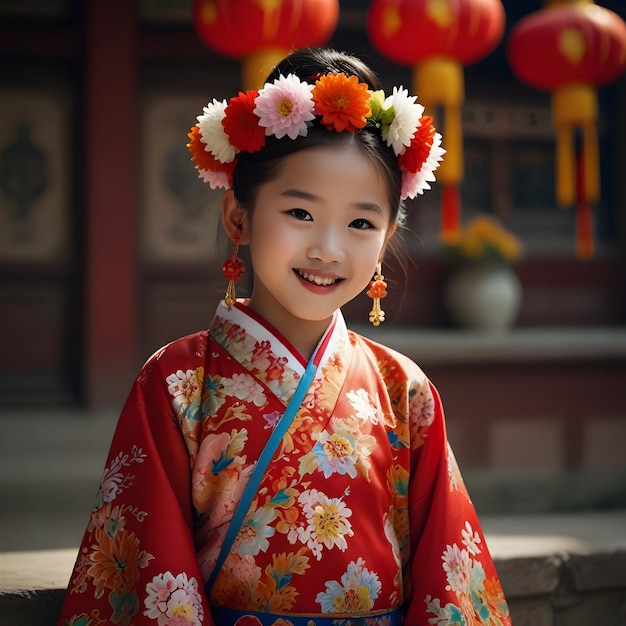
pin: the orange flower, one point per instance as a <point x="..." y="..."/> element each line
<point x="231" y="591"/>
<point x="203" y="158"/>
<point x="494" y="599"/>
<point x="115" y="561"/>
<point x="285" y="564"/>
<point x="342" y="102"/>
<point x="287" y="517"/>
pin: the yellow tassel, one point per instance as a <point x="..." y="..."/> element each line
<point x="230" y="298"/>
<point x="565" y="168"/>
<point x="439" y="81"/>
<point x="450" y="170"/>
<point x="258" y="65"/>
<point x="575" y="106"/>
<point x="377" y="315"/>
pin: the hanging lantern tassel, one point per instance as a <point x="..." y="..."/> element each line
<point x="438" y="81"/>
<point x="574" y="109"/>
<point x="591" y="159"/>
<point x="575" y="106"/>
<point x="584" y="214"/>
<point x="450" y="215"/>
<point x="565" y="167"/>
<point x="257" y="65"/>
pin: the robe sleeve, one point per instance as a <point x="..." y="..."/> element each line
<point x="137" y="561"/>
<point x="452" y="578"/>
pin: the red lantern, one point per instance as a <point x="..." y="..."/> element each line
<point x="437" y="39"/>
<point x="262" y="32"/>
<point x="568" y="49"/>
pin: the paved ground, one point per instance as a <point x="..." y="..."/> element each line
<point x="51" y="462"/>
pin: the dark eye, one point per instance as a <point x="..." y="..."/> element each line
<point x="300" y="214"/>
<point x="361" y="224"/>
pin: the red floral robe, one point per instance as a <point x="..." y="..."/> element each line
<point x="361" y="510"/>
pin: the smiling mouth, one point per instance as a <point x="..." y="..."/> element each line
<point x="317" y="280"/>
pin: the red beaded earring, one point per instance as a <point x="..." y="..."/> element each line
<point x="376" y="291"/>
<point x="232" y="269"/>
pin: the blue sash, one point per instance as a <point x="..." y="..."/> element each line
<point x="259" y="470"/>
<point x="228" y="617"/>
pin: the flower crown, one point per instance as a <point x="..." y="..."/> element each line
<point x="288" y="106"/>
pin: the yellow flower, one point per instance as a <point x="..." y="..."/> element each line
<point x="486" y="239"/>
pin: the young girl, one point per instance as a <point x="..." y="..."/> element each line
<point x="279" y="469"/>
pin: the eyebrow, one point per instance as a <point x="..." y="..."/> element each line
<point x="305" y="195"/>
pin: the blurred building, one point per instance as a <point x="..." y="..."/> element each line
<point x="108" y="242"/>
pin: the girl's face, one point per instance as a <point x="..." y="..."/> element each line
<point x="315" y="235"/>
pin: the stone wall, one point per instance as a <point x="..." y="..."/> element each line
<point x="566" y="589"/>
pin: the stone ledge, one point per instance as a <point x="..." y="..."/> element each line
<point x="434" y="346"/>
<point x="32" y="586"/>
<point x="528" y="576"/>
<point x="566" y="589"/>
<point x="559" y="589"/>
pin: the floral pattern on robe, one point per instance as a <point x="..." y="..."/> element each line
<point x="361" y="510"/>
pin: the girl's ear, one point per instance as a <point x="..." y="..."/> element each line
<point x="234" y="217"/>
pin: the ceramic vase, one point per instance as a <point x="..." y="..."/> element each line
<point x="484" y="296"/>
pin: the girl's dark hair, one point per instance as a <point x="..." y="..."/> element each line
<point x="259" y="167"/>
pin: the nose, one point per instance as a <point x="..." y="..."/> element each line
<point x="326" y="246"/>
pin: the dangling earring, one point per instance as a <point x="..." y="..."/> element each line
<point x="376" y="291"/>
<point x="232" y="269"/>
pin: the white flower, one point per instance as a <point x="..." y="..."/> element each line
<point x="285" y="106"/>
<point x="365" y="409"/>
<point x="327" y="522"/>
<point x="213" y="133"/>
<point x="458" y="566"/>
<point x="471" y="539"/>
<point x="185" y="386"/>
<point x="336" y="453"/>
<point x="422" y="406"/>
<point x="412" y="184"/>
<point x="173" y="600"/>
<point x="245" y="387"/>
<point x="406" y="119"/>
<point x="254" y="533"/>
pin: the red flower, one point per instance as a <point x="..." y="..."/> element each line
<point x="242" y="125"/>
<point x="233" y="268"/>
<point x="421" y="143"/>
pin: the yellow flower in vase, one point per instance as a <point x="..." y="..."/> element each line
<point x="485" y="239"/>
